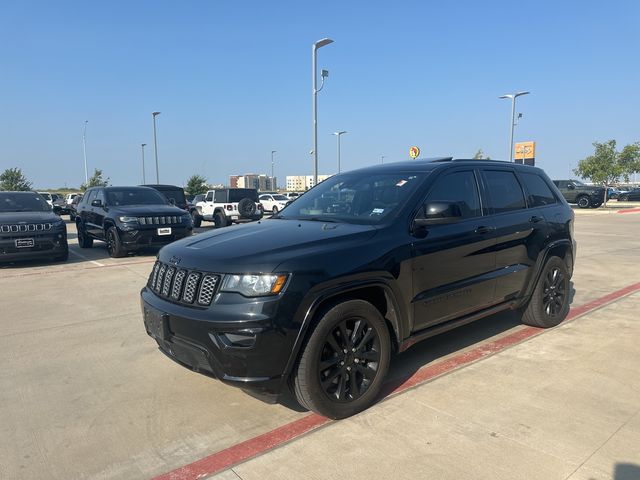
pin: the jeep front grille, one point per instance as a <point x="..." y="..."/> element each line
<point x="26" y="227"/>
<point x="183" y="286"/>
<point x="171" y="220"/>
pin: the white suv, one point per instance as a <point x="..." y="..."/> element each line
<point x="273" y="202"/>
<point x="225" y="206"/>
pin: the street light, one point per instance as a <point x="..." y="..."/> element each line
<point x="155" y="145"/>
<point x="314" y="91"/>
<point x="513" y="97"/>
<point x="337" y="134"/>
<point x="272" y="182"/>
<point x="382" y="159"/>
<point x="144" y="180"/>
<point x="84" y="152"/>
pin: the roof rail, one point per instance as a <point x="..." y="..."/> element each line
<point x="438" y="159"/>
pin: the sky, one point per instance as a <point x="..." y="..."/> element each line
<point x="232" y="80"/>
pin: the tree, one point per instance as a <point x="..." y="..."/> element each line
<point x="480" y="155"/>
<point x="12" y="179"/>
<point x="607" y="165"/>
<point x="96" y="180"/>
<point x="196" y="185"/>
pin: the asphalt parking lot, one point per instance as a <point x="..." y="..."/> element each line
<point x="86" y="394"/>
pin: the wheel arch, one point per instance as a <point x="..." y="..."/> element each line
<point x="377" y="292"/>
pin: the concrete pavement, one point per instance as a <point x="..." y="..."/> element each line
<point x="84" y="393"/>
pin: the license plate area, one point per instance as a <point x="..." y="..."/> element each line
<point x="164" y="231"/>
<point x="25" y="243"/>
<point x="156" y="323"/>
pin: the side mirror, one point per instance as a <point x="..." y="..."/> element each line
<point x="96" y="203"/>
<point x="172" y="201"/>
<point x="438" y="213"/>
<point x="571" y="186"/>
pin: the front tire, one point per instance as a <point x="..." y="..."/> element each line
<point x="549" y="302"/>
<point x="344" y="361"/>
<point x="583" y="202"/>
<point x="114" y="245"/>
<point x="274" y="210"/>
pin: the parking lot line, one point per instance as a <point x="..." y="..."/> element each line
<point x="85" y="258"/>
<point x="241" y="452"/>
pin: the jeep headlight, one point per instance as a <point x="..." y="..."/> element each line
<point x="254" y="285"/>
<point x="126" y="219"/>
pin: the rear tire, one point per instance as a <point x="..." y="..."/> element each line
<point x="84" y="240"/>
<point x="220" y="220"/>
<point x="344" y="360"/>
<point x="549" y="303"/>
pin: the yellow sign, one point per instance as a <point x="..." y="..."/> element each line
<point x="414" y="152"/>
<point x="525" y="150"/>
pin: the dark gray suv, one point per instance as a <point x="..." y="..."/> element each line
<point x="585" y="196"/>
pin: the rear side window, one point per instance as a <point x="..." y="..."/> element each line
<point x="238" y="194"/>
<point x="220" y="196"/>
<point x="505" y="193"/>
<point x="458" y="187"/>
<point x="538" y="192"/>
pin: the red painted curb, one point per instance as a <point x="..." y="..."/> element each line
<point x="243" y="451"/>
<point x="629" y="210"/>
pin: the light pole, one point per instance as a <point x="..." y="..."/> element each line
<point x="513" y="97"/>
<point x="272" y="182"/>
<point x="382" y="159"/>
<point x="155" y="145"/>
<point x="144" y="179"/>
<point x="337" y="134"/>
<point x="314" y="91"/>
<point x="84" y="152"/>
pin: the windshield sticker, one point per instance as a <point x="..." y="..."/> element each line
<point x="377" y="211"/>
<point x="401" y="183"/>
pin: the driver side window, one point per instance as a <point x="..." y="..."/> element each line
<point x="459" y="188"/>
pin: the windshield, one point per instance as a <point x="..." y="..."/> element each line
<point x="355" y="198"/>
<point x="176" y="193"/>
<point x="280" y="197"/>
<point x="578" y="183"/>
<point x="46" y="196"/>
<point x="134" y="196"/>
<point x="22" y="202"/>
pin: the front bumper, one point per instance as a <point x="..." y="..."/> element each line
<point x="44" y="246"/>
<point x="133" y="238"/>
<point x="235" y="340"/>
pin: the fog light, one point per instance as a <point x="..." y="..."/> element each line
<point x="238" y="339"/>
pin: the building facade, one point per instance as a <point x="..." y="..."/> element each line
<point x="260" y="182"/>
<point x="301" y="183"/>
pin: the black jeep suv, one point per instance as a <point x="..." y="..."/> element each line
<point x="585" y="196"/>
<point x="29" y="229"/>
<point x="365" y="263"/>
<point x="128" y="218"/>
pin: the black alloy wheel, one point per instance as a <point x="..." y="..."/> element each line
<point x="114" y="246"/>
<point x="196" y="218"/>
<point x="549" y="304"/>
<point x="350" y="359"/>
<point x="246" y="207"/>
<point x="84" y="240"/>
<point x="344" y="360"/>
<point x="554" y="292"/>
<point x="275" y="210"/>
<point x="583" y="201"/>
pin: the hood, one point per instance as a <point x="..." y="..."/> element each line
<point x="27" y="217"/>
<point x="262" y="246"/>
<point x="146" y="210"/>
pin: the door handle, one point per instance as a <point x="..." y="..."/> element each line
<point x="485" y="229"/>
<point x="535" y="219"/>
